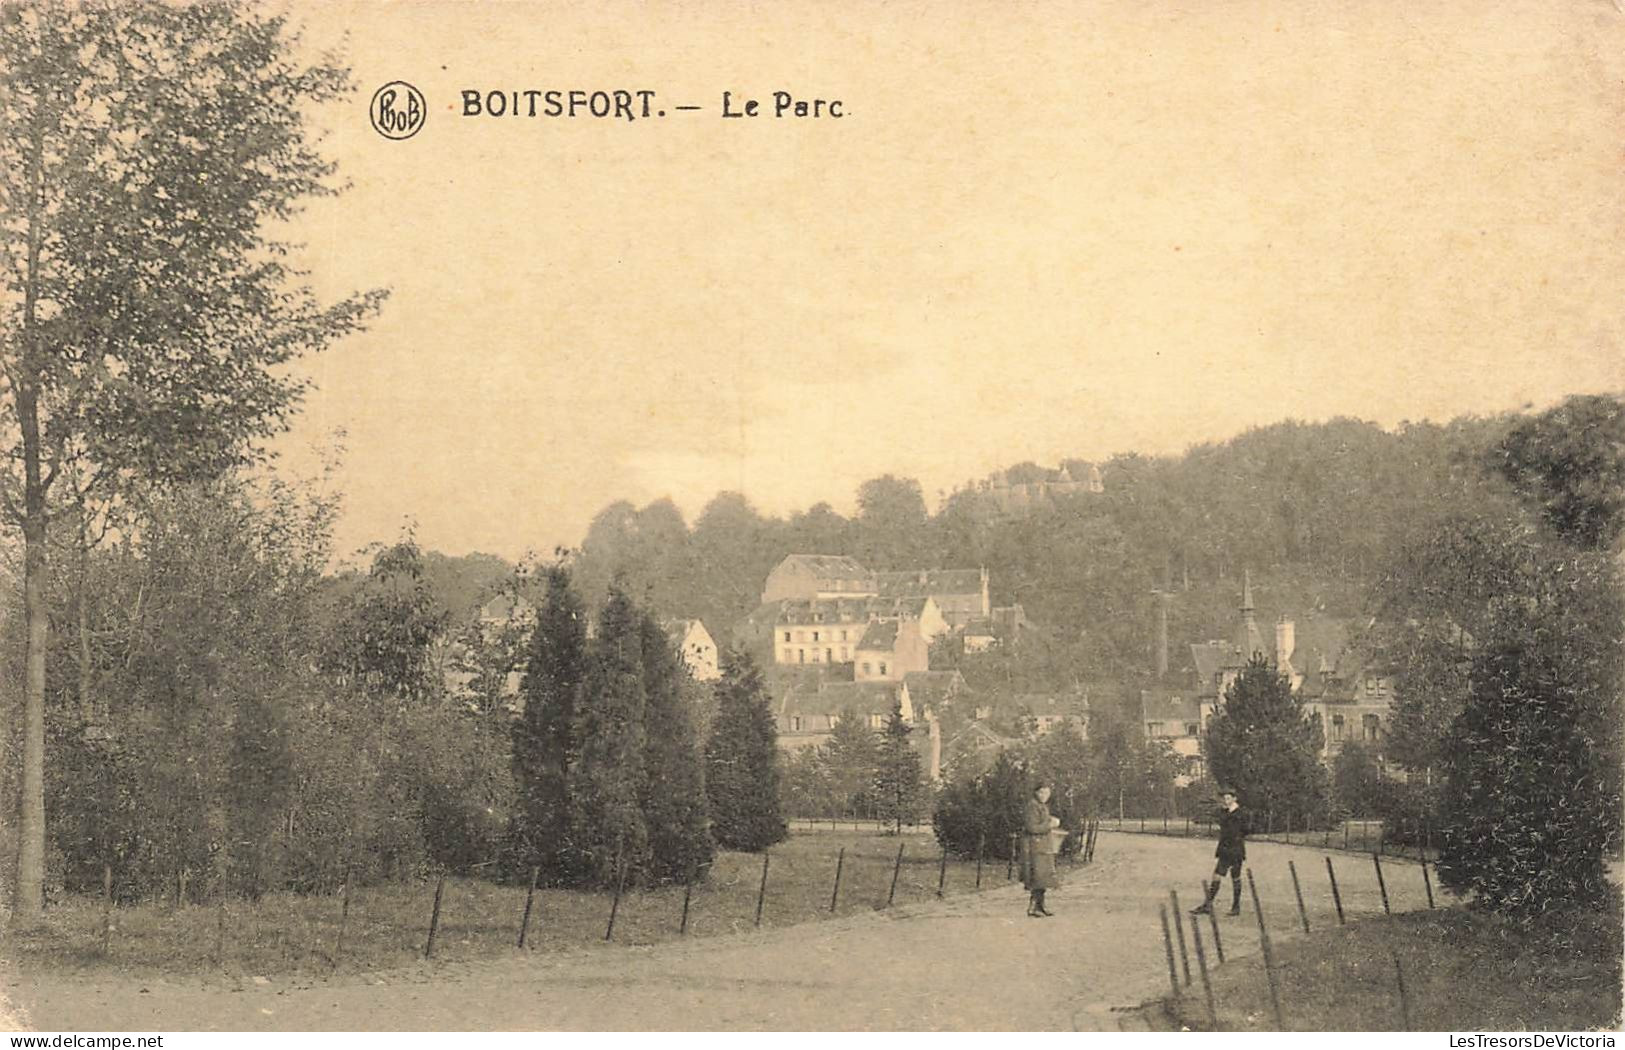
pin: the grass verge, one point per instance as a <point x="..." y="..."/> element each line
<point x="1463" y="971"/>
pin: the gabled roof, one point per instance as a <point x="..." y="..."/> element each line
<point x="847" y="610"/>
<point x="929" y="581"/>
<point x="1163" y="705"/>
<point x="882" y="635"/>
<point x="1212" y="657"/>
<point x="825" y="566"/>
<point x="933" y="687"/>
<point x="835" y="698"/>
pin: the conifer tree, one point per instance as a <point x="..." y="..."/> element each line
<point x="851" y="756"/>
<point x="608" y="782"/>
<point x="544" y="738"/>
<point x="674" y="803"/>
<point x="899" y="791"/>
<point x="1261" y="743"/>
<point x="742" y="761"/>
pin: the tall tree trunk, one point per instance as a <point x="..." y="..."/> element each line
<point x="30" y="899"/>
<point x="30" y="892"/>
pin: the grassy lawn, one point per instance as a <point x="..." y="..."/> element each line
<point x="1463" y="971"/>
<point x="388" y="925"/>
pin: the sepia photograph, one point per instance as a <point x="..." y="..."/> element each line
<point x="871" y="517"/>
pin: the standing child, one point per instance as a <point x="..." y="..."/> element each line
<point x="1231" y="852"/>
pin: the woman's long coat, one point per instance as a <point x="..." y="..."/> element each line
<point x="1037" y="848"/>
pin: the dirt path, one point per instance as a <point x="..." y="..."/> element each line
<point x="972" y="963"/>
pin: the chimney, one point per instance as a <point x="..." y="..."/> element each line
<point x="1285" y="642"/>
<point x="1162" y="633"/>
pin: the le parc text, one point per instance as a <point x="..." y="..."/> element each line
<point x="784" y="105"/>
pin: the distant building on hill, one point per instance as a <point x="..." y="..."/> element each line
<point x="1018" y="499"/>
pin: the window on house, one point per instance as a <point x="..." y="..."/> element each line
<point x="801" y="655"/>
<point x="815" y="636"/>
<point x="866" y="667"/>
<point x="1371" y="727"/>
<point x="795" y="723"/>
<point x="787" y="636"/>
<point x="1191" y="729"/>
<point x="882" y="668"/>
<point x="786" y="658"/>
<point x="877" y="721"/>
<point x="843" y="636"/>
<point x="1337" y="727"/>
<point x="1153" y="729"/>
<point x="815" y="656"/>
<point x="829" y="655"/>
<point x="1370" y="683"/>
<point x="845" y="654"/>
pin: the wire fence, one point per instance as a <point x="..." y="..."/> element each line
<point x="1360" y="835"/>
<point x="811" y="876"/>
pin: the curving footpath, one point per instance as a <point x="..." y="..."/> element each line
<point x="969" y="963"/>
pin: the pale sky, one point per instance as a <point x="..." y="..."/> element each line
<point x="1040" y="231"/>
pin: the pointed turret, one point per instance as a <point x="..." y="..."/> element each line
<point x="1248" y="640"/>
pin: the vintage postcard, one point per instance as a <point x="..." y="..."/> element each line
<point x="865" y="517"/>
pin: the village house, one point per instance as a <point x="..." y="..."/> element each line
<point x="959" y="595"/>
<point x="891" y="649"/>
<point x="810" y="577"/>
<point x="1347" y="690"/>
<point x="828" y="631"/>
<point x="696" y="647"/>
<point x="807" y="714"/>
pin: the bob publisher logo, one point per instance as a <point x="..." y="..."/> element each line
<point x="398" y="110"/>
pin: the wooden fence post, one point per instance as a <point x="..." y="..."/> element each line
<point x="1010" y="861"/>
<point x="107" y="908"/>
<point x="1213" y="917"/>
<point x="1168" y="949"/>
<point x="1298" y="890"/>
<point x="1264" y="946"/>
<point x="835" y="894"/>
<point x="981" y="848"/>
<point x="1201" y="965"/>
<point x="896" y="870"/>
<point x="434" y="915"/>
<point x="1404" y="996"/>
<point x="942" y="872"/>
<point x="1381" y="885"/>
<point x="1179" y="931"/>
<point x="761" y="892"/>
<point x="620" y="887"/>
<point x="1337" y="898"/>
<point x="1427" y="881"/>
<point x="530" y="899"/>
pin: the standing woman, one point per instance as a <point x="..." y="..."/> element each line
<point x="1038" y="850"/>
